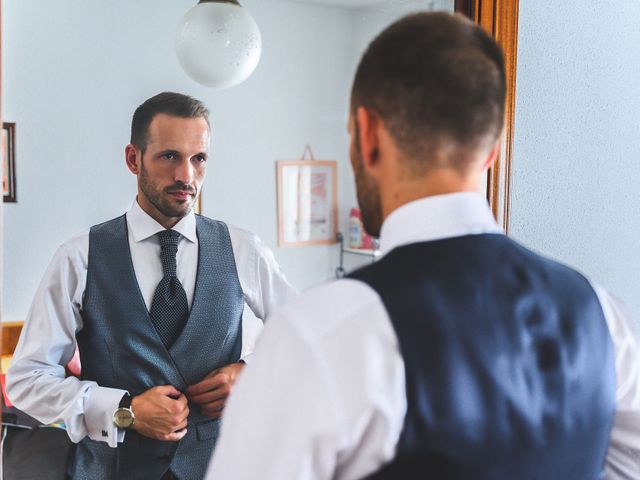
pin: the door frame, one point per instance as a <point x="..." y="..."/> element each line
<point x="500" y="19"/>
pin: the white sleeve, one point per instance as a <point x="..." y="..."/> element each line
<point x="36" y="382"/>
<point x="623" y="457"/>
<point x="264" y="285"/>
<point x="324" y="397"/>
<point x="278" y="422"/>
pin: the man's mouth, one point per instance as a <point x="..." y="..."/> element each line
<point x="180" y="194"/>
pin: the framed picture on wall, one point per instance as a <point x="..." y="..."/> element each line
<point x="307" y="202"/>
<point x="8" y="162"/>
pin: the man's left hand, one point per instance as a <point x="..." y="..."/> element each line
<point x="211" y="392"/>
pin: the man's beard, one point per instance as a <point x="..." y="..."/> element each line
<point x="157" y="198"/>
<point x="367" y="191"/>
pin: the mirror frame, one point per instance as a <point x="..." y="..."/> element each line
<point x="500" y="19"/>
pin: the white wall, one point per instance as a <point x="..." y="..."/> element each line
<point x="577" y="138"/>
<point x="75" y="70"/>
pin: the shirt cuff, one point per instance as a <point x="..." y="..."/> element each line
<point x="247" y="358"/>
<point x="100" y="406"/>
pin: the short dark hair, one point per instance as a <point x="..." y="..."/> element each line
<point x="169" y="103"/>
<point x="438" y="83"/>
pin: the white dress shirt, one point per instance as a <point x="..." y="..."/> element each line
<point x="36" y="380"/>
<point x="325" y="398"/>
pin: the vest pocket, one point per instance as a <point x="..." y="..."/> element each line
<point x="208" y="429"/>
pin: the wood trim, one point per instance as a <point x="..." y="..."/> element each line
<point x="500" y="19"/>
<point x="10" y="335"/>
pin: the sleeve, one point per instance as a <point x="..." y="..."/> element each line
<point x="283" y="400"/>
<point x="36" y="382"/>
<point x="623" y="457"/>
<point x="264" y="285"/>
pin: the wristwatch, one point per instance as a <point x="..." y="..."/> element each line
<point x="123" y="417"/>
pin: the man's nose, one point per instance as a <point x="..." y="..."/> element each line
<point x="184" y="172"/>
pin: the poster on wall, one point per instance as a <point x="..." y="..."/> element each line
<point x="307" y="202"/>
<point x="8" y="162"/>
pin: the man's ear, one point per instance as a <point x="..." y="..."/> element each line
<point x="368" y="124"/>
<point x="133" y="157"/>
<point x="492" y="156"/>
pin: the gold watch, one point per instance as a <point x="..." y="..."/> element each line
<point x="124" y="417"/>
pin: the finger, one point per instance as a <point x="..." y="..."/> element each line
<point x="212" y="414"/>
<point x="212" y="396"/>
<point x="167" y="390"/>
<point x="209" y="383"/>
<point x="213" y="407"/>
<point x="181" y="426"/>
<point x="184" y="416"/>
<point x="175" y="436"/>
<point x="183" y="400"/>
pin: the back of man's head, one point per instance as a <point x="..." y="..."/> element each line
<point x="437" y="81"/>
<point x="169" y="103"/>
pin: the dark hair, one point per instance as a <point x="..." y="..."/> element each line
<point x="438" y="83"/>
<point x="169" y="103"/>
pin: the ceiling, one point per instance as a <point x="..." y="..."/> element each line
<point x="355" y="4"/>
<point x="341" y="3"/>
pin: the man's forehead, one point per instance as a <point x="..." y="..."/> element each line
<point x="164" y="127"/>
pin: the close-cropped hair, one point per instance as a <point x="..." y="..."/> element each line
<point x="437" y="81"/>
<point x="169" y="103"/>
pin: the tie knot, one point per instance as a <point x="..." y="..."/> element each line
<point x="168" y="249"/>
<point x="168" y="238"/>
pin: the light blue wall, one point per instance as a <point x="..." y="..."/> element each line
<point x="576" y="166"/>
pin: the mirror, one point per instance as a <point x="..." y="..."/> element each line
<point x="73" y="73"/>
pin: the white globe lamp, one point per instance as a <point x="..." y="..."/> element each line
<point x="218" y="43"/>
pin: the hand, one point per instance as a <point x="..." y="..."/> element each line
<point x="161" y="413"/>
<point x="211" y="393"/>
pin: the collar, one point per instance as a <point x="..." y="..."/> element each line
<point x="143" y="226"/>
<point x="435" y="218"/>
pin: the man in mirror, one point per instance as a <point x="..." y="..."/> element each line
<point x="154" y="302"/>
<point x="459" y="354"/>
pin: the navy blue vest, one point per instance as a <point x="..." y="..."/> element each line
<point x="120" y="348"/>
<point x="510" y="372"/>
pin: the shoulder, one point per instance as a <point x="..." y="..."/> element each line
<point x="339" y="309"/>
<point x="76" y="247"/>
<point x="246" y="242"/>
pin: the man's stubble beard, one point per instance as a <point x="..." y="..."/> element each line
<point x="367" y="191"/>
<point x="155" y="195"/>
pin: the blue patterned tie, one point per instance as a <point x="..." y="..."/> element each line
<point x="169" y="308"/>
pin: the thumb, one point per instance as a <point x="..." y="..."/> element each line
<point x="168" y="391"/>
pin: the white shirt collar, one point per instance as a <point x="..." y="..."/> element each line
<point x="437" y="217"/>
<point x="143" y="226"/>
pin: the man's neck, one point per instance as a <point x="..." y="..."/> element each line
<point x="436" y="182"/>
<point x="153" y="212"/>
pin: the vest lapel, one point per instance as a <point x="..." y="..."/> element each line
<point x="213" y="330"/>
<point x="145" y="329"/>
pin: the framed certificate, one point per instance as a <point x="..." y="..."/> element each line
<point x="8" y="162"/>
<point x="307" y="202"/>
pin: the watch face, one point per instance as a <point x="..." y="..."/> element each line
<point x="123" y="418"/>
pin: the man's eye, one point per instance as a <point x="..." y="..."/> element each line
<point x="200" y="158"/>
<point x="170" y="156"/>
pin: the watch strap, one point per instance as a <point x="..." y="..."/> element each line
<point x="125" y="402"/>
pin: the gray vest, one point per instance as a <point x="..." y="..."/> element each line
<point x="119" y="348"/>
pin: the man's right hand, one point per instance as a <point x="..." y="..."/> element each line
<point x="161" y="413"/>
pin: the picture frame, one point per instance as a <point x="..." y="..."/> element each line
<point x="8" y="154"/>
<point x="307" y="202"/>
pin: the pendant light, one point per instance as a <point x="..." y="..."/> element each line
<point x="218" y="43"/>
